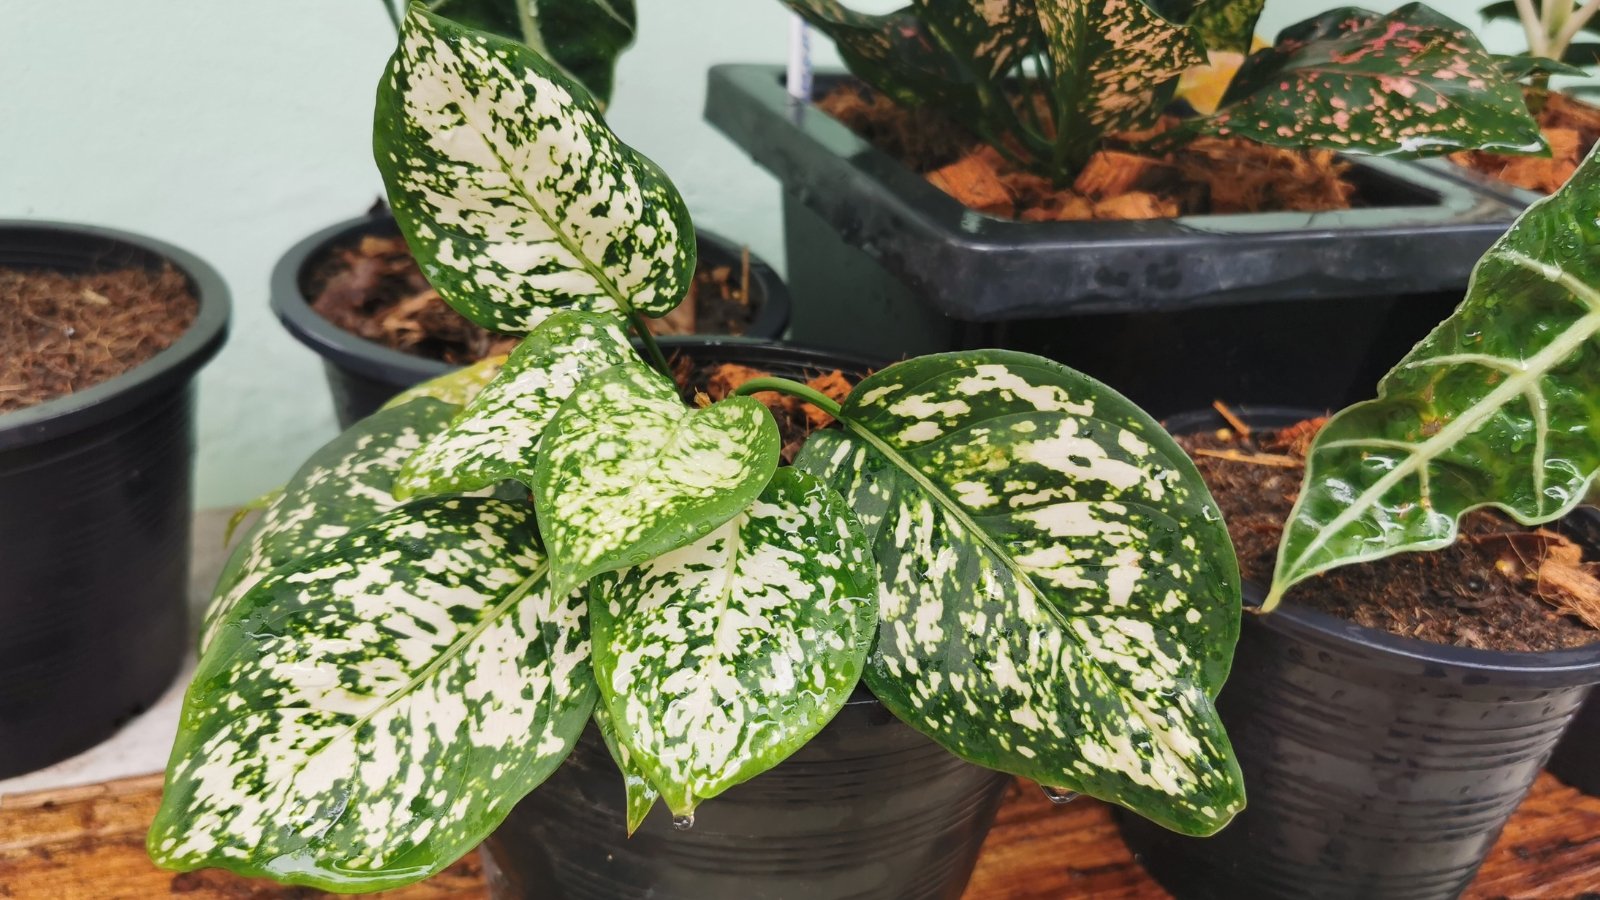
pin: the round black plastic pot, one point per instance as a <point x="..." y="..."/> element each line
<point x="95" y="507"/>
<point x="363" y="375"/>
<point x="869" y="809"/>
<point x="1375" y="766"/>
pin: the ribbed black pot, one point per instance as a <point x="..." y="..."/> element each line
<point x="1376" y="766"/>
<point x="869" y="809"/>
<point x="363" y="375"/>
<point x="95" y="509"/>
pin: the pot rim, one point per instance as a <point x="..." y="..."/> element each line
<point x="370" y="359"/>
<point x="170" y="368"/>
<point x="1579" y="665"/>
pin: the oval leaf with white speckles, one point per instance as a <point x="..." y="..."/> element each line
<point x="1060" y="598"/>
<point x="1496" y="407"/>
<point x="515" y="197"/>
<point x="497" y="436"/>
<point x="457" y="387"/>
<point x="369" y="714"/>
<point x="1410" y="83"/>
<point x="641" y="794"/>
<point x="626" y="471"/>
<point x="344" y="484"/>
<point x="719" y="659"/>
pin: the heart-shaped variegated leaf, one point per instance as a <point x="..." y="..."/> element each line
<point x="1496" y="407"/>
<point x="344" y="484"/>
<point x="583" y="37"/>
<point x="1409" y="83"/>
<point x="1060" y="598"/>
<point x="626" y="471"/>
<point x="641" y="794"/>
<point x="719" y="659"/>
<point x="368" y="714"/>
<point x="497" y="436"/>
<point x="457" y="387"/>
<point x="515" y="197"/>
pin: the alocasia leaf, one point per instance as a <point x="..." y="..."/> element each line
<point x="1060" y="598"/>
<point x="583" y="37"/>
<point x="1496" y="407"/>
<point x="719" y="659"/>
<point x="496" y="436"/>
<point x="1409" y="83"/>
<point x="514" y="196"/>
<point x="641" y="794"/>
<point x="626" y="472"/>
<point x="368" y="714"/>
<point x="344" y="484"/>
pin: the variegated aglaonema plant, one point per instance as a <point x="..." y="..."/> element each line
<point x="1495" y="408"/>
<point x="1047" y="81"/>
<point x="1014" y="559"/>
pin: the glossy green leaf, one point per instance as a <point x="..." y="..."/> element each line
<point x="626" y="472"/>
<point x="514" y="196"/>
<point x="496" y="437"/>
<point x="1410" y="83"/>
<point x="345" y="484"/>
<point x="719" y="659"/>
<point x="243" y="512"/>
<point x="1496" y="407"/>
<point x="1522" y="65"/>
<point x="583" y="37"/>
<point x="1227" y="25"/>
<point x="1581" y="53"/>
<point x="457" y="387"/>
<point x="641" y="794"/>
<point x="370" y="713"/>
<point x="1060" y="598"/>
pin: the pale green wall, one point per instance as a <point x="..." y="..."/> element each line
<point x="235" y="129"/>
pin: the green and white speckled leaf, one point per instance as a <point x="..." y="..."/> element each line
<point x="627" y="472"/>
<point x="1410" y="83"/>
<point x="1060" y="598"/>
<point x="1496" y="407"/>
<point x="344" y="484"/>
<point x="719" y="659"/>
<point x="457" y="387"/>
<point x="642" y="795"/>
<point x="515" y="197"/>
<point x="369" y="714"/>
<point x="1226" y="25"/>
<point x="497" y="436"/>
<point x="583" y="37"/>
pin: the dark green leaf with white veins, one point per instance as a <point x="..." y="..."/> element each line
<point x="719" y="659"/>
<point x="626" y="471"/>
<point x="497" y="436"/>
<point x="1409" y="83"/>
<point x="583" y="37"/>
<point x="641" y="794"/>
<point x="345" y="484"/>
<point x="515" y="197"/>
<point x="373" y="711"/>
<point x="1060" y="598"/>
<point x="1495" y="408"/>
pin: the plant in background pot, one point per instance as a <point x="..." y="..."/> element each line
<point x="1055" y="103"/>
<point x="353" y="293"/>
<point x="101" y="336"/>
<point x="1017" y="563"/>
<point x="1381" y="764"/>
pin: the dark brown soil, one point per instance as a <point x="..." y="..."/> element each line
<point x="796" y="419"/>
<point x="1499" y="587"/>
<point x="1570" y="126"/>
<point x="61" y="333"/>
<point x="1208" y="175"/>
<point x="374" y="289"/>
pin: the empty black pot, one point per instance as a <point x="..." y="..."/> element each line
<point x="94" y="519"/>
<point x="363" y="375"/>
<point x="1376" y="766"/>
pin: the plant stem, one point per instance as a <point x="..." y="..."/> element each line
<point x="394" y="14"/>
<point x="651" y="348"/>
<point x="793" y="388"/>
<point x="1532" y="27"/>
<point x="1570" y="29"/>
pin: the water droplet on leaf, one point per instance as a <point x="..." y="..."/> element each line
<point x="683" y="823"/>
<point x="1059" y="796"/>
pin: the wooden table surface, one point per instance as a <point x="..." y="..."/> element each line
<point x="89" y="843"/>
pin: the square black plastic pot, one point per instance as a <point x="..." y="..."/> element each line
<point x="1301" y="308"/>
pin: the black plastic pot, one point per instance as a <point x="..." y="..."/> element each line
<point x="1266" y="307"/>
<point x="363" y="375"/>
<point x="1376" y="766"/>
<point x="95" y="508"/>
<point x="870" y="809"/>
